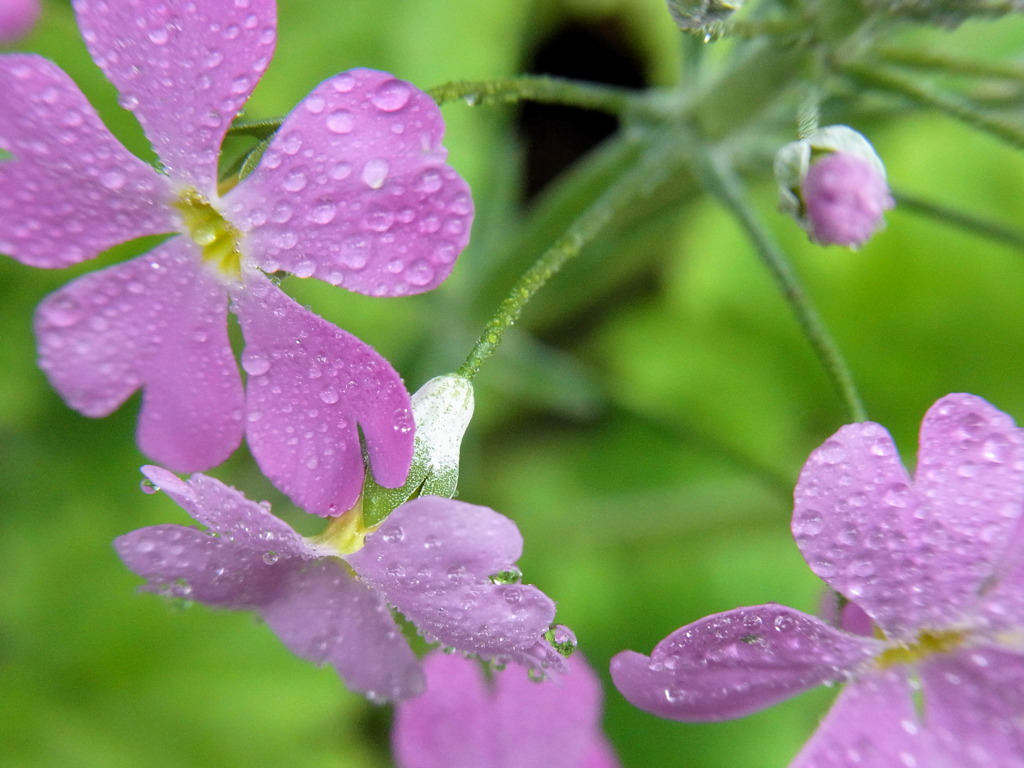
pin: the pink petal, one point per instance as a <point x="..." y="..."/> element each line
<point x="17" y="17"/>
<point x="432" y="559"/>
<point x="853" y="509"/>
<point x="329" y="617"/>
<point x="734" y="663"/>
<point x="354" y="190"/>
<point x="466" y="721"/>
<point x="71" y="190"/>
<point x="310" y="385"/>
<point x="970" y="474"/>
<point x="183" y="562"/>
<point x="184" y="71"/>
<point x="229" y="514"/>
<point x="1003" y="606"/>
<point x="157" y="321"/>
<point x="871" y="725"/>
<point x="913" y="556"/>
<point x="974" y="706"/>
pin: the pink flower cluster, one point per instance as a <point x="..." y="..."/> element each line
<point x="353" y="189"/>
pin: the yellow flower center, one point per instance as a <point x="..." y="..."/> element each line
<point x="347" y="533"/>
<point x="928" y="643"/>
<point x="217" y="237"/>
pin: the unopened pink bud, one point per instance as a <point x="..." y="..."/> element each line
<point x="845" y="198"/>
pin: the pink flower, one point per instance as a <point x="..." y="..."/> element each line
<point x="353" y="190"/>
<point x="17" y="17"/>
<point x="467" y="721"/>
<point x="936" y="562"/>
<point x="446" y="565"/>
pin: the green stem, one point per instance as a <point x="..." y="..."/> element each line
<point x="541" y="88"/>
<point x="950" y="65"/>
<point x="649" y="171"/>
<point x="953" y="106"/>
<point x="985" y="227"/>
<point x="726" y="185"/>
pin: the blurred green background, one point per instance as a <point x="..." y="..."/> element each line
<point x="644" y="425"/>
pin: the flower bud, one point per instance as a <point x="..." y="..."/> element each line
<point x="833" y="184"/>
<point x="442" y="410"/>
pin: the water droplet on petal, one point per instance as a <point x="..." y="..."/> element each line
<point x="255" y="363"/>
<point x="355" y="252"/>
<point x="63" y="312"/>
<point x="340" y="121"/>
<point x="271" y="557"/>
<point x="323" y="213"/>
<point x="831" y="452"/>
<point x="420" y="272"/>
<point x="430" y="181"/>
<point x="391" y="96"/>
<point x="315" y="104"/>
<point x="295" y="181"/>
<point x="375" y="172"/>
<point x="393" y="535"/>
<point x="112" y="180"/>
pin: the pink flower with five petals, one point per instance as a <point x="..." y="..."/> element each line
<point x="443" y="563"/>
<point x="932" y="567"/>
<point x="353" y="189"/>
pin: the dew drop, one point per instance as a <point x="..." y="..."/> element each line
<point x="420" y="272"/>
<point x="430" y="181"/>
<point x="329" y="395"/>
<point x="270" y="557"/>
<point x="344" y="82"/>
<point x="510" y="575"/>
<point x="315" y="104"/>
<point x="112" y="180"/>
<point x="295" y="181"/>
<point x="64" y="312"/>
<point x="375" y="172"/>
<point x="355" y="252"/>
<point x="340" y="121"/>
<point x="391" y="96"/>
<point x="304" y="268"/>
<point x="255" y="363"/>
<point x="393" y="535"/>
<point x="831" y="452"/>
<point x="323" y="213"/>
<point x="341" y="171"/>
<point x="379" y="220"/>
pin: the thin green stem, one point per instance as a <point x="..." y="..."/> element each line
<point x="541" y="88"/>
<point x="953" y="106"/>
<point x="660" y="160"/>
<point x="726" y="185"/>
<point x="950" y="65"/>
<point x="993" y="230"/>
